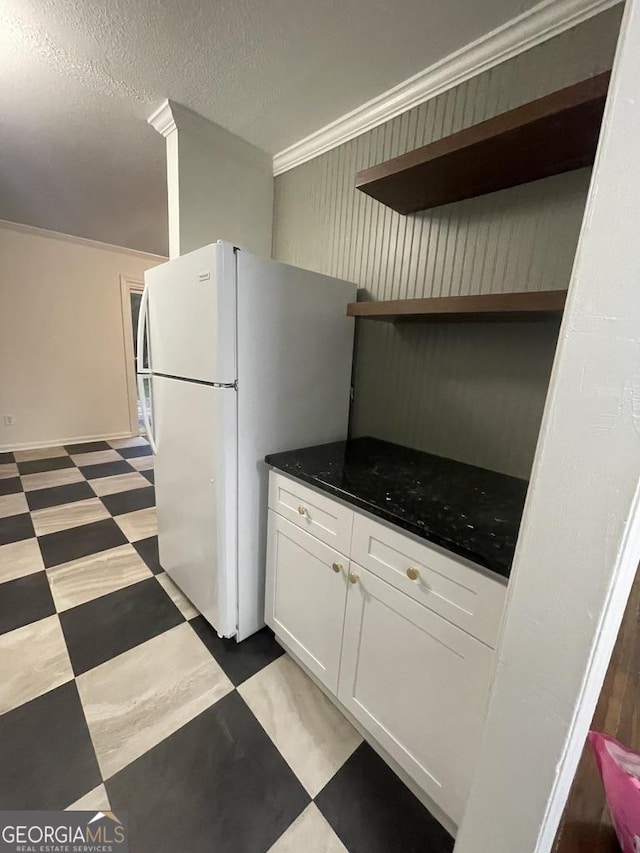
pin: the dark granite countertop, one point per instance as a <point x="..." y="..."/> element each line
<point x="471" y="511"/>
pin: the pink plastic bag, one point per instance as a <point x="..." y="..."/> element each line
<point x="620" y="771"/>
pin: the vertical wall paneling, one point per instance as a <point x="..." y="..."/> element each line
<point x="471" y="391"/>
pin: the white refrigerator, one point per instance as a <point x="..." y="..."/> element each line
<point x="241" y="356"/>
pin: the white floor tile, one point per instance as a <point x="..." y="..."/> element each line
<point x="140" y="697"/>
<point x="136" y="441"/>
<point x="33" y="660"/>
<point x="18" y="559"/>
<point x="312" y="735"/>
<point x="177" y="596"/>
<point x="96" y="457"/>
<point x="118" y="483"/>
<point x="139" y="524"/>
<point x="13" y="504"/>
<point x="310" y="833"/>
<point x="96" y="800"/>
<point x="39" y="453"/>
<point x="141" y="463"/>
<point x="50" y="479"/>
<point x="90" y="577"/>
<point x="62" y="517"/>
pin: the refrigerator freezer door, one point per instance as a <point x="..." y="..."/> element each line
<point x="195" y="480"/>
<point x="192" y="315"/>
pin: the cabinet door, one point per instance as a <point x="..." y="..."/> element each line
<point x="418" y="684"/>
<point x="306" y="592"/>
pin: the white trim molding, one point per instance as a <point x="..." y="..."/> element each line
<point x="538" y="24"/>
<point x="6" y="225"/>
<point x="70" y="439"/>
<point x="162" y="119"/>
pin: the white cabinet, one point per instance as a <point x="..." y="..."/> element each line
<point x="305" y="597"/>
<point x="408" y="653"/>
<point x="417" y="683"/>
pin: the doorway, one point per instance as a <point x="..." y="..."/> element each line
<point x="131" y="297"/>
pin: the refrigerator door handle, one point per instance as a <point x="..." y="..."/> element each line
<point x="145" y="414"/>
<point x="142" y="328"/>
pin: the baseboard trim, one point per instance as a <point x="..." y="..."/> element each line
<point x="74" y="439"/>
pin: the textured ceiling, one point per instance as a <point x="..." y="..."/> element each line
<point x="80" y="77"/>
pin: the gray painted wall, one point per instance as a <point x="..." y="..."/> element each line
<point x="474" y="392"/>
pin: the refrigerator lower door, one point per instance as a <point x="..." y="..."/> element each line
<point x="196" y="494"/>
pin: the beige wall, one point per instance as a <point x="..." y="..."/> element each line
<point x="472" y="392"/>
<point x="62" y="358"/>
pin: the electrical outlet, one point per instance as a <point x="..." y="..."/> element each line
<point x="8" y="420"/>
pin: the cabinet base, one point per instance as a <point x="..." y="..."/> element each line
<point x="415" y="789"/>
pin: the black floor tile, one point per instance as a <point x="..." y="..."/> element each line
<point x="106" y="469"/>
<point x="24" y="600"/>
<point x="130" y="501"/>
<point x="149" y="474"/>
<point x="48" y="760"/>
<point x="148" y="550"/>
<point x="105" y="627"/>
<point x="87" y="447"/>
<point x="66" y="545"/>
<point x="138" y="450"/>
<point x="223" y="777"/>
<point x="10" y="485"/>
<point x="42" y="498"/>
<point x="6" y="457"/>
<point x="16" y="527"/>
<point x="239" y="660"/>
<point x="372" y="811"/>
<point x="35" y="466"/>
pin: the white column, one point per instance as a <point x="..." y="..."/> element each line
<point x="163" y="121"/>
<point x="580" y="540"/>
<point x="219" y="187"/>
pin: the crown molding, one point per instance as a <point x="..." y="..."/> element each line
<point x="542" y="22"/>
<point x="21" y="228"/>
<point x="162" y="119"/>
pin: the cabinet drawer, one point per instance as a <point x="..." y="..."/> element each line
<point x="312" y="511"/>
<point x="306" y="591"/>
<point x="418" y="684"/>
<point x="463" y="595"/>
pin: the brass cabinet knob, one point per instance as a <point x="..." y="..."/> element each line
<point x="353" y="578"/>
<point x="336" y="567"/>
<point x="302" y="510"/>
<point x="413" y="574"/>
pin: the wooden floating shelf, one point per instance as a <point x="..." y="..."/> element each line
<point x="504" y="306"/>
<point x="554" y="134"/>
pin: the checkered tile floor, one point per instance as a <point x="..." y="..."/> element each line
<point x="115" y="693"/>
